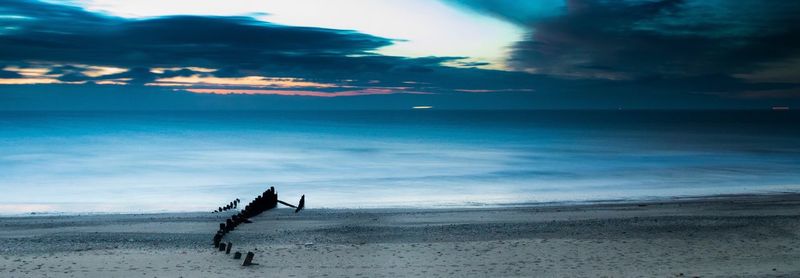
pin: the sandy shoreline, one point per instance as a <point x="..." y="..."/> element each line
<point x="743" y="235"/>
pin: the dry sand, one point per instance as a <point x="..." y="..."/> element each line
<point x="749" y="236"/>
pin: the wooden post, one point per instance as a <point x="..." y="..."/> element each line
<point x="222" y="247"/>
<point x="217" y="239"/>
<point x="228" y="248"/>
<point x="248" y="260"/>
<point x="237" y="255"/>
<point x="301" y="205"/>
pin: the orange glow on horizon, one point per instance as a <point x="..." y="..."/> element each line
<point x="255" y="81"/>
<point x="362" y="92"/>
<point x="27" y="81"/>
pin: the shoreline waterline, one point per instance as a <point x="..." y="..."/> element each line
<point x="623" y="201"/>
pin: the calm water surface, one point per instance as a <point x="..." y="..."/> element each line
<point x="186" y="161"/>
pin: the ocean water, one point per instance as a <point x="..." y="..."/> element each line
<point x="195" y="161"/>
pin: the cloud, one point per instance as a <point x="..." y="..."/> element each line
<point x="13" y="75"/>
<point x="515" y="11"/>
<point x="69" y="35"/>
<point x="578" y="54"/>
<point x="492" y="90"/>
<point x="776" y="94"/>
<point x="70" y="41"/>
<point x="8" y="74"/>
<point x="249" y="81"/>
<point x="364" y="92"/>
<point x="184" y="72"/>
<point x="137" y="75"/>
<point x="784" y="71"/>
<point x="639" y="38"/>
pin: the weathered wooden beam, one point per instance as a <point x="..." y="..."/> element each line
<point x="286" y="204"/>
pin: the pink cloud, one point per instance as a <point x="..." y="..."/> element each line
<point x="362" y="92"/>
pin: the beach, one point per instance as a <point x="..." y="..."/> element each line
<point x="452" y="138"/>
<point x="719" y="236"/>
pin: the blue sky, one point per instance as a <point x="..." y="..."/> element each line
<point x="394" y="54"/>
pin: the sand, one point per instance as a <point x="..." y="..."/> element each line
<point x="724" y="236"/>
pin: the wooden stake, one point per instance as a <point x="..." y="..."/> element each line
<point x="248" y="260"/>
<point x="217" y="239"/>
<point x="301" y="204"/>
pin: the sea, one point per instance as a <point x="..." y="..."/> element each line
<point x="178" y="161"/>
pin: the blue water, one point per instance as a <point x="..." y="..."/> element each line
<point x="188" y="161"/>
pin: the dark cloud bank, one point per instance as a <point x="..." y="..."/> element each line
<point x="577" y="54"/>
<point x="634" y="39"/>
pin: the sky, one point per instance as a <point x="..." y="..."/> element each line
<point x="396" y="54"/>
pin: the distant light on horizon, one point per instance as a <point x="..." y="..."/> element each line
<point x="422" y="107"/>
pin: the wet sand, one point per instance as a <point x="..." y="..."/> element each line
<point x="723" y="236"/>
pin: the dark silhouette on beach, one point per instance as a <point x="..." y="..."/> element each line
<point x="266" y="201"/>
